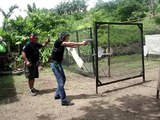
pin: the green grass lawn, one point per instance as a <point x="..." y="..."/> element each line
<point x="126" y="66"/>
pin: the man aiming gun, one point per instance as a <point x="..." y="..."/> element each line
<point x="56" y="64"/>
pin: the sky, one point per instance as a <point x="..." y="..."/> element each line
<point x="5" y="4"/>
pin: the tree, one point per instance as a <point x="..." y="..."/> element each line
<point x="153" y="6"/>
<point x="31" y="8"/>
<point x="130" y="9"/>
<point x="71" y="7"/>
<point x="7" y="15"/>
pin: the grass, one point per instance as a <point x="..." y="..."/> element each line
<point x="12" y="85"/>
<point x="121" y="66"/>
<point x="150" y="26"/>
<point x="7" y="89"/>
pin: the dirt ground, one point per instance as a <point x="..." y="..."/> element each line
<point x="128" y="100"/>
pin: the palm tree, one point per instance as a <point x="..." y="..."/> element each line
<point x="7" y="15"/>
<point x="31" y="8"/>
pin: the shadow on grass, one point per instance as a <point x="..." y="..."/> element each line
<point x="85" y="96"/>
<point x="121" y="88"/>
<point x="44" y="117"/>
<point x="134" y="107"/>
<point x="46" y="91"/>
<point x="7" y="90"/>
<point x="82" y="96"/>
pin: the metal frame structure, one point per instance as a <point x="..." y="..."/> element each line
<point x="96" y="27"/>
<point x="92" y="46"/>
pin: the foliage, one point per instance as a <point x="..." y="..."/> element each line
<point x="46" y="54"/>
<point x="71" y="7"/>
<point x="131" y="9"/>
<point x="31" y="8"/>
<point x="7" y="15"/>
<point x="157" y="19"/>
<point x="73" y="15"/>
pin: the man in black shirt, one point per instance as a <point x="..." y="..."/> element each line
<point x="30" y="54"/>
<point x="57" y="58"/>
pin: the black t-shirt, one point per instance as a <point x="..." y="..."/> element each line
<point x="32" y="51"/>
<point x="57" y="51"/>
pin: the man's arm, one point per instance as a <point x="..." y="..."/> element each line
<point x="47" y="41"/>
<point x="74" y="44"/>
<point x="44" y="44"/>
<point x="25" y="59"/>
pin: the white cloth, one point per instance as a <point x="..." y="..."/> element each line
<point x="152" y="43"/>
<point x="76" y="57"/>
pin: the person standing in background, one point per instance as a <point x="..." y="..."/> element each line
<point x="30" y="54"/>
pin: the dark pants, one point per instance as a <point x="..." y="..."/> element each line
<point x="60" y="77"/>
<point x="32" y="71"/>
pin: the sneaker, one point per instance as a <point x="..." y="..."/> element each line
<point x="35" y="90"/>
<point x="56" y="97"/>
<point x="32" y="92"/>
<point x="67" y="103"/>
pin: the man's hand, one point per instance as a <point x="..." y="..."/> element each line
<point x="48" y="40"/>
<point x="84" y="42"/>
<point x="28" y="63"/>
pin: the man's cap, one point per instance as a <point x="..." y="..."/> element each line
<point x="34" y="34"/>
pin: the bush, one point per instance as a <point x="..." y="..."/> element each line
<point x="157" y="19"/>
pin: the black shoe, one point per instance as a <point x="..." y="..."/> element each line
<point x="33" y="93"/>
<point x="56" y="97"/>
<point x="35" y="90"/>
<point x="67" y="103"/>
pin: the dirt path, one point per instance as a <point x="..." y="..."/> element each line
<point x="128" y="100"/>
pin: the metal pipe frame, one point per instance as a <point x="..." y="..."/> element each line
<point x="96" y="26"/>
